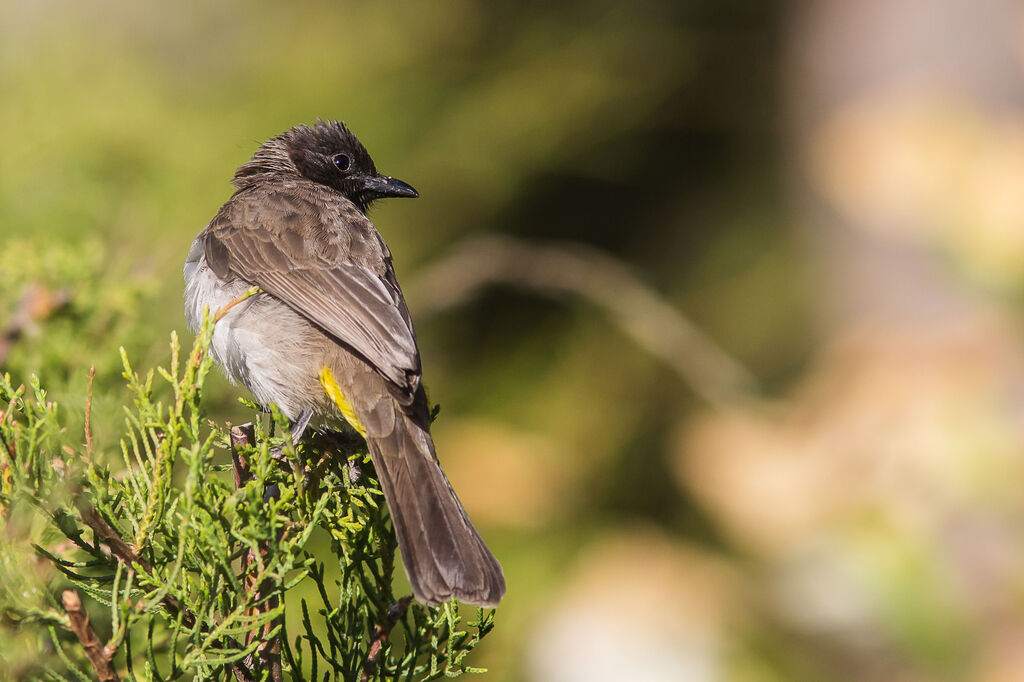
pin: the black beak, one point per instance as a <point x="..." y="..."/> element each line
<point x="382" y="186"/>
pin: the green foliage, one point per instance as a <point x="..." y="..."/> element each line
<point x="76" y="296"/>
<point x="192" y="572"/>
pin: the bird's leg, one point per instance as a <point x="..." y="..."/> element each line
<point x="298" y="428"/>
<point x="300" y="424"/>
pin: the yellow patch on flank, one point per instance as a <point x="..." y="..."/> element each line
<point x="336" y="395"/>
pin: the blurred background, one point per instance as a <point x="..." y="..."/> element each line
<point x="721" y="300"/>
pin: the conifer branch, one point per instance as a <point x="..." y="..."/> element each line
<point x="198" y="568"/>
<point x="268" y="653"/>
<point x="99" y="655"/>
<point x="381" y="631"/>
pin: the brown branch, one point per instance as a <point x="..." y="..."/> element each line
<point x="380" y="637"/>
<point x="100" y="656"/>
<point x="269" y="652"/>
<point x="119" y="548"/>
<point x="106" y="534"/>
<point x="555" y="270"/>
<point x="242" y="436"/>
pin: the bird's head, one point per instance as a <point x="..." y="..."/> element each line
<point x="326" y="153"/>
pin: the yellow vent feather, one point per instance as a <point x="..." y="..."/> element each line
<point x="336" y="395"/>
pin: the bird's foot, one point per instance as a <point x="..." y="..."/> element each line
<point x="300" y="424"/>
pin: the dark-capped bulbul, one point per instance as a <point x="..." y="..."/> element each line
<point x="329" y="335"/>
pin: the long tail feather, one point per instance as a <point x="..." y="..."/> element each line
<point x="443" y="553"/>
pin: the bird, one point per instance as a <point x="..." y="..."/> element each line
<point x="328" y="334"/>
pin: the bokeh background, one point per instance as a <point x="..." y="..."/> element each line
<point x="721" y="299"/>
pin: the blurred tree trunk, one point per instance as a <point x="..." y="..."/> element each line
<point x="888" y="100"/>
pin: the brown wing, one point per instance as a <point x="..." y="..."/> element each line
<point x="321" y="256"/>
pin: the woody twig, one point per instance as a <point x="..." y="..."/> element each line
<point x="99" y="655"/>
<point x="268" y="653"/>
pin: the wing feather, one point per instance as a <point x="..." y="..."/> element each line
<point x="337" y="273"/>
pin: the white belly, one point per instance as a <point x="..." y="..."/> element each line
<point x="260" y="343"/>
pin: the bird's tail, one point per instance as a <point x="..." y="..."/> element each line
<point x="444" y="555"/>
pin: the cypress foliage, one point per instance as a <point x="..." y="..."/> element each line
<point x="198" y="550"/>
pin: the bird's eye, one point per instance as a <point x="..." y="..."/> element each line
<point x="342" y="162"/>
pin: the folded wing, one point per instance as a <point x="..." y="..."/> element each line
<point x="326" y="262"/>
